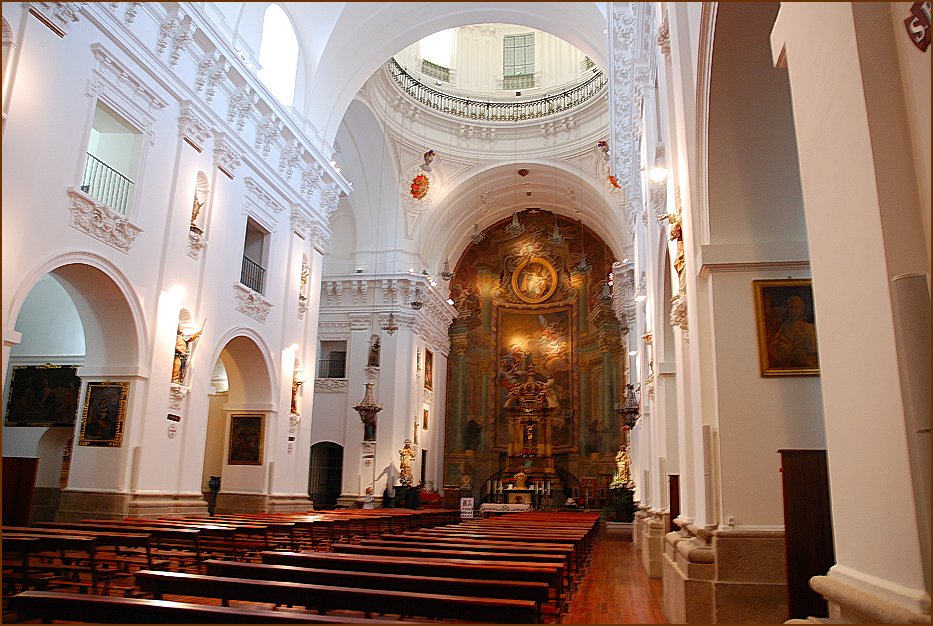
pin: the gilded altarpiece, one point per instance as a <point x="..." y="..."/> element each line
<point x="537" y="358"/>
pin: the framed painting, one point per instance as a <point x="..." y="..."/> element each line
<point x="787" y="344"/>
<point x="104" y="414"/>
<point x="246" y="436"/>
<point x="428" y="370"/>
<point x="424" y="420"/>
<point x="43" y="395"/>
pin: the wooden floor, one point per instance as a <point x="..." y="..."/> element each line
<point x="617" y="589"/>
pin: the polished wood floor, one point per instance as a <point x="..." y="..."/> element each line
<point x="616" y="589"/>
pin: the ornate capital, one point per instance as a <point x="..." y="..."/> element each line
<point x="100" y="222"/>
<point x="192" y="126"/>
<point x="240" y="106"/>
<point x="289" y="158"/>
<point x="256" y="197"/>
<point x="226" y="157"/>
<point x="266" y="133"/>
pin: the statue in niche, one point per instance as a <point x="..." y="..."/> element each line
<point x="677" y="234"/>
<point x="195" y="211"/>
<point x="183" y="349"/>
<point x="373" y="360"/>
<point x="296" y="393"/>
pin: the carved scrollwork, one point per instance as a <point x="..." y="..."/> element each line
<point x="251" y="303"/>
<point x="100" y="222"/>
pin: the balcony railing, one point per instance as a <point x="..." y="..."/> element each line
<point x="332" y="368"/>
<point x="493" y="111"/>
<point x="105" y="184"/>
<point x="252" y="275"/>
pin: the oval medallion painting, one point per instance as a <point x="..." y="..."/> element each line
<point x="534" y="280"/>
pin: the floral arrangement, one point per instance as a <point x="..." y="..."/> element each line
<point x="419" y="186"/>
<point x="614" y="182"/>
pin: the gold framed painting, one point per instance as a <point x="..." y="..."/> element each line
<point x="43" y="395"/>
<point x="104" y="414"/>
<point x="247" y="432"/>
<point x="428" y="370"/>
<point x="787" y="342"/>
<point x="534" y="280"/>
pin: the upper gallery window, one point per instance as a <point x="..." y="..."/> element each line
<point x="278" y="55"/>
<point x="518" y="61"/>
<point x="113" y="154"/>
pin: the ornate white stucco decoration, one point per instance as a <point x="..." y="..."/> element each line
<point x="303" y="285"/>
<point x="192" y="126"/>
<point x="330" y="198"/>
<point x="251" y="303"/>
<point x="658" y="199"/>
<point x="428" y="396"/>
<point x="625" y="74"/>
<point x="196" y="243"/>
<point x="622" y="296"/>
<point x="176" y="396"/>
<point x="241" y="104"/>
<point x="330" y="385"/>
<point x="175" y="33"/>
<point x="360" y="291"/>
<point x="226" y="157"/>
<point x="100" y="222"/>
<point x="679" y="313"/>
<point x="132" y="8"/>
<point x="360" y="321"/>
<point x="121" y="80"/>
<point x="311" y="180"/>
<point x="310" y="230"/>
<point x="389" y="291"/>
<point x="267" y="132"/>
<point x="372" y="373"/>
<point x="290" y="156"/>
<point x="663" y="38"/>
<point x="333" y="291"/>
<point x="59" y="15"/>
<point x="259" y="200"/>
<point x="212" y="70"/>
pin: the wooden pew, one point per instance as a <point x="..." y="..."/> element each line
<point x="507" y="589"/>
<point x="561" y="551"/>
<point x="325" y="598"/>
<point x="118" y="554"/>
<point x="73" y="607"/>
<point x="66" y="557"/>
<point x="169" y="543"/>
<point x="481" y="570"/>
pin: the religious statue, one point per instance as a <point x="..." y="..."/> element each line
<point x="407" y="456"/>
<point x="623" y="465"/>
<point x="677" y="234"/>
<point x="183" y="349"/>
<point x="195" y="211"/>
<point x="373" y="360"/>
<point x="428" y="158"/>
<point x="521" y="480"/>
<point x="296" y="393"/>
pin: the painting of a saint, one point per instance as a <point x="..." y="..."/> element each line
<point x="534" y="280"/>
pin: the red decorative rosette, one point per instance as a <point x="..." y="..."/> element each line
<point x="419" y="186"/>
<point x="614" y="181"/>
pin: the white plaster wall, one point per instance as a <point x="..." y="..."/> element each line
<point x="757" y="415"/>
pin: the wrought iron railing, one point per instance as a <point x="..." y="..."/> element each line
<point x="332" y="368"/>
<point x="105" y="184"/>
<point x="496" y="111"/>
<point x="253" y="275"/>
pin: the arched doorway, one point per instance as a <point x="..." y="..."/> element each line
<point x="325" y="474"/>
<point x="238" y="427"/>
<point x="73" y="321"/>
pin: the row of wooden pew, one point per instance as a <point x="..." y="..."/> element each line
<point x="510" y="569"/>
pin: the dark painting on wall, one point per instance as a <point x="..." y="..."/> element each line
<point x="104" y="414"/>
<point x="246" y="438"/>
<point x="428" y="370"/>
<point x="43" y="395"/>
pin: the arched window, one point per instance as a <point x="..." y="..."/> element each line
<point x="278" y="55"/>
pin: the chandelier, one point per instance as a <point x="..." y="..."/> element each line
<point x="390" y="325"/>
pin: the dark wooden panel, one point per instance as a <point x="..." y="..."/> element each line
<point x="808" y="529"/>
<point x="674" y="500"/>
<point x="19" y="483"/>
